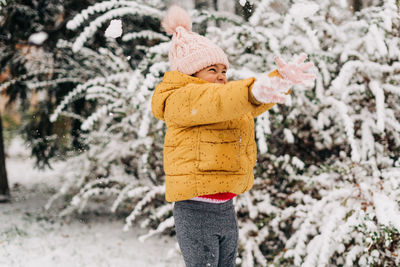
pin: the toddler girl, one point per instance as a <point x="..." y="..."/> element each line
<point x="209" y="147"/>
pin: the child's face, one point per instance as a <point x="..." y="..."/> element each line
<point x="213" y="74"/>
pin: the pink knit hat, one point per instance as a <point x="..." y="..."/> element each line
<point x="189" y="52"/>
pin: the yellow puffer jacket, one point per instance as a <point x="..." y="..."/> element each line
<point x="209" y="145"/>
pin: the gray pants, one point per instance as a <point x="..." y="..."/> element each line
<point x="207" y="233"/>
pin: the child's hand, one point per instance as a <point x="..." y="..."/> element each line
<point x="271" y="89"/>
<point x="296" y="71"/>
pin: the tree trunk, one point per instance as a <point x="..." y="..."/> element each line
<point x="357" y="5"/>
<point x="215" y="4"/>
<point x="201" y="5"/>
<point x="4" y="189"/>
<point x="245" y="11"/>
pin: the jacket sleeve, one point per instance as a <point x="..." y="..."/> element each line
<point x="261" y="109"/>
<point x="196" y="104"/>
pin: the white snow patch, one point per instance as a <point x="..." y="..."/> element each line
<point x="38" y="38"/>
<point x="288" y="135"/>
<point x="114" y="30"/>
<point x="30" y="236"/>
<point x="387" y="210"/>
<point x="298" y="163"/>
<point x="17" y="148"/>
<point x="304" y="9"/>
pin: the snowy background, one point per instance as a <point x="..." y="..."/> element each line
<point x="31" y="236"/>
<point x="80" y="77"/>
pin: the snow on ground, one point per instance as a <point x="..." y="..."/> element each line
<point x="30" y="236"/>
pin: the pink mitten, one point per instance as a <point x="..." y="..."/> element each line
<point x="296" y="71"/>
<point x="271" y="89"/>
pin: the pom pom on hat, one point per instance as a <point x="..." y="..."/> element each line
<point x="189" y="51"/>
<point x="176" y="16"/>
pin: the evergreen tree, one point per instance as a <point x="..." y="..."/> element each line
<point x="326" y="189"/>
<point x="34" y="66"/>
<point x="123" y="158"/>
<point x="332" y="139"/>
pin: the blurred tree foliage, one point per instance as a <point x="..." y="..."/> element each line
<point x="23" y="60"/>
<point x="27" y="65"/>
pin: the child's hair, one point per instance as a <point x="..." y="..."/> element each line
<point x="189" y="52"/>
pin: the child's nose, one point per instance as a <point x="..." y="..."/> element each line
<point x="221" y="77"/>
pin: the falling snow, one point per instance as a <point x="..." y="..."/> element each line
<point x="114" y="30"/>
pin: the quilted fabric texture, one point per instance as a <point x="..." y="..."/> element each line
<point x="209" y="146"/>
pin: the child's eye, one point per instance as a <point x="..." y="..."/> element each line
<point x="213" y="70"/>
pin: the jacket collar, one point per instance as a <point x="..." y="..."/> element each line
<point x="177" y="77"/>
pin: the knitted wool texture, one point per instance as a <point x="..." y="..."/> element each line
<point x="189" y="51"/>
